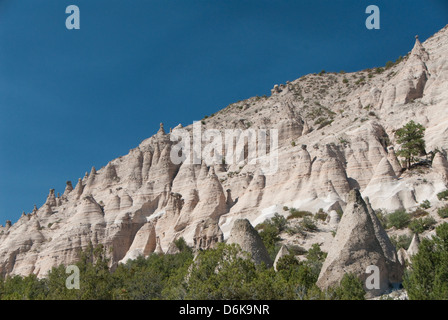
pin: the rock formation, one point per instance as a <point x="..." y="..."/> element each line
<point x="281" y="253"/>
<point x="144" y="243"/>
<point x="249" y="240"/>
<point x="440" y="165"/>
<point x="333" y="219"/>
<point x="413" y="247"/>
<point x="403" y="257"/>
<point x="360" y="242"/>
<point x="333" y="136"/>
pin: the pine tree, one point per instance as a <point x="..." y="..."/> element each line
<point x="411" y="138"/>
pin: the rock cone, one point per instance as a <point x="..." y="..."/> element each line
<point x="360" y="242"/>
<point x="249" y="240"/>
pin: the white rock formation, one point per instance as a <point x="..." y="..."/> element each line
<point x="333" y="137"/>
<point x="281" y="253"/>
<point x="249" y="240"/>
<point x="360" y="242"/>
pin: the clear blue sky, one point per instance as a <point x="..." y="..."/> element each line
<point x="70" y="100"/>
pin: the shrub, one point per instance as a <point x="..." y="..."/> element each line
<point x="398" y="219"/>
<point x="287" y="262"/>
<point x="425" y="204"/>
<point x="297" y="250"/>
<point x="402" y="241"/>
<point x="181" y="245"/>
<point x="325" y="123"/>
<point x="422" y="224"/>
<point x="315" y="258"/>
<point x="270" y="233"/>
<point x="345" y="80"/>
<point x="443" y="212"/>
<point x="419" y="212"/>
<point x="428" y="274"/>
<point x="316" y="254"/>
<point x="389" y="64"/>
<point x="298" y="229"/>
<point x="443" y="195"/>
<point x="308" y="224"/>
<point x="321" y="215"/>
<point x="350" y="288"/>
<point x="294" y="213"/>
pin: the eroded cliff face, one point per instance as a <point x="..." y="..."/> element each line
<point x="334" y="135"/>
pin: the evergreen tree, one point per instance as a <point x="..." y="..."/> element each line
<point x="428" y="275"/>
<point x="411" y="139"/>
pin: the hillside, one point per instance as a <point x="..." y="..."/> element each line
<point x="335" y="134"/>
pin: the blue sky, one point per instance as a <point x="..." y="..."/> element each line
<point x="70" y="100"/>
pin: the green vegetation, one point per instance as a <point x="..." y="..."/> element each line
<point x="443" y="212"/>
<point x="389" y="64"/>
<point x="426" y="204"/>
<point x="398" y="219"/>
<point x="308" y="224"/>
<point x="350" y="288"/>
<point x="294" y="214"/>
<point x="419" y="212"/>
<point x="428" y="275"/>
<point x="270" y="231"/>
<point x="323" y="122"/>
<point x="402" y="241"/>
<point x="361" y="80"/>
<point x="224" y="273"/>
<point x="443" y="195"/>
<point x="420" y="225"/>
<point x="321" y="215"/>
<point x="410" y="137"/>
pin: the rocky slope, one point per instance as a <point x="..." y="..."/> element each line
<point x="335" y="134"/>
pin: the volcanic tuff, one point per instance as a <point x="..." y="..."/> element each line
<point x="361" y="242"/>
<point x="336" y="133"/>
